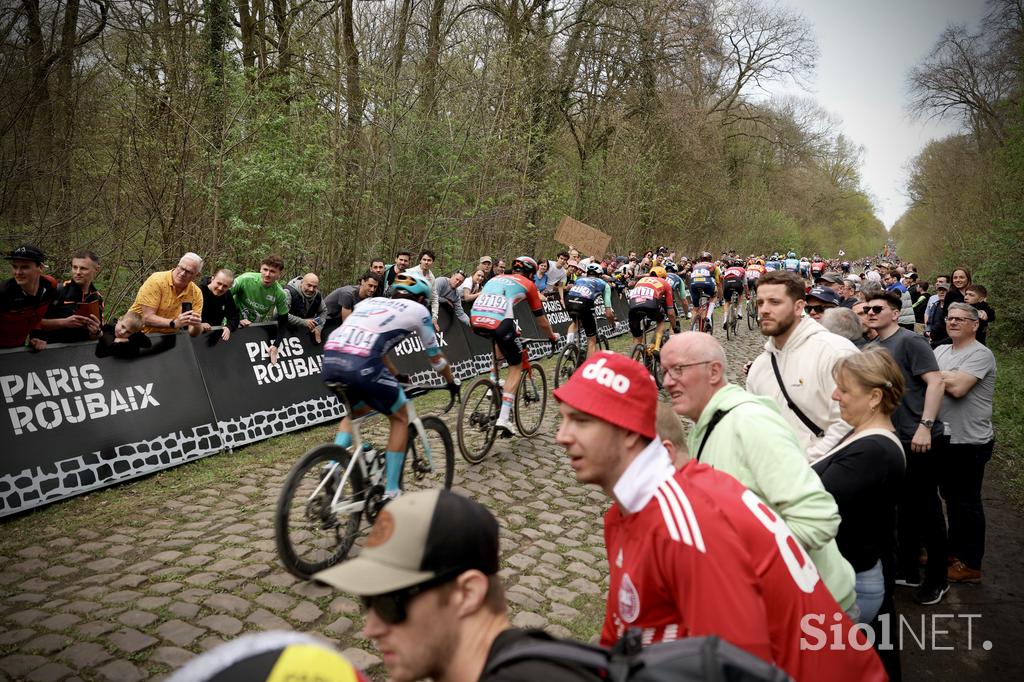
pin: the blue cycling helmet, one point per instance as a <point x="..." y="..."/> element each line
<point x="407" y="286"/>
<point x="594" y="269"/>
<point x="791" y="254"/>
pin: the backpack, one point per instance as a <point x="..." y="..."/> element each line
<point x="693" y="659"/>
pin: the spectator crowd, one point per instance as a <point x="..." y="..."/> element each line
<point x="858" y="444"/>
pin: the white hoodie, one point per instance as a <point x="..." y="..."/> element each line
<point x="805" y="364"/>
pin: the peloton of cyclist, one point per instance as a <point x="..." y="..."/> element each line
<point x="356" y="355"/>
<point x="705" y="280"/>
<point x="581" y="301"/>
<point x="492" y="318"/>
<point x="651" y="298"/>
<point x="734" y="285"/>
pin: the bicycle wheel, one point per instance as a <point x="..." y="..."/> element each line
<point x="727" y="323"/>
<point x="567" y="363"/>
<point x="602" y="344"/>
<point x="751" y="312"/>
<point x="709" y="324"/>
<point x="433" y="467"/>
<point x="654" y="367"/>
<point x="310" y="536"/>
<point x="531" y="401"/>
<point x="638" y="353"/>
<point x="481" y="403"/>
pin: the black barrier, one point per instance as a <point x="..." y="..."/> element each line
<point x="74" y="422"/>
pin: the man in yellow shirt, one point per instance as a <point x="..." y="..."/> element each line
<point x="163" y="298"/>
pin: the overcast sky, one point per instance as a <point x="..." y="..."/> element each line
<point x="867" y="49"/>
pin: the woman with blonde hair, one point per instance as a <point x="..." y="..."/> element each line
<point x="864" y="472"/>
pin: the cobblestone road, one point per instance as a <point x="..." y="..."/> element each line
<point x="130" y="583"/>
<point x="176" y="572"/>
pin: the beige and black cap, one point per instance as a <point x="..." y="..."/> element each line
<point x="421" y="536"/>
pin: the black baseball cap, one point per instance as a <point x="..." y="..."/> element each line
<point x="27" y="252"/>
<point x="420" y="537"/>
<point x="823" y="294"/>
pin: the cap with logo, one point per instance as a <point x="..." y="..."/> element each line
<point x="830" y="277"/>
<point x="613" y="388"/>
<point x="421" y="536"/>
<point x="486" y="259"/>
<point x="823" y="294"/>
<point x="27" y="252"/>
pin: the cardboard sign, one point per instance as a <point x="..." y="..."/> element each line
<point x="590" y="241"/>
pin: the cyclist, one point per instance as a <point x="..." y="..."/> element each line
<point x="678" y="291"/>
<point x="705" y="280"/>
<point x="818" y="267"/>
<point x="581" y="302"/>
<point x="356" y="355"/>
<point x="792" y="263"/>
<point x="755" y="268"/>
<point x="805" y="268"/>
<point x="773" y="263"/>
<point x="651" y="298"/>
<point x="492" y="318"/>
<point x="734" y="285"/>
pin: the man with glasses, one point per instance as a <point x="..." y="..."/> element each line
<point x="795" y="369"/>
<point x="917" y="424"/>
<point x="969" y="377"/>
<point x="820" y="299"/>
<point x="171" y="300"/>
<point x="743" y="435"/>
<point x="435" y="606"/>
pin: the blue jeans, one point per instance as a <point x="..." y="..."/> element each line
<point x="870" y="587"/>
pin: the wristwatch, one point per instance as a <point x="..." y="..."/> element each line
<point x="173" y="325"/>
<point x="927" y="422"/>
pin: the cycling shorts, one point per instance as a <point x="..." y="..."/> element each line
<point x="637" y="316"/>
<point x="368" y="383"/>
<point x="752" y="286"/>
<point x="732" y="287"/>
<point x="582" y="312"/>
<point x="699" y="289"/>
<point x="506" y="338"/>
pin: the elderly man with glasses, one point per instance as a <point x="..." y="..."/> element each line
<point x="744" y="435"/>
<point x="170" y="300"/>
<point x="969" y="378"/>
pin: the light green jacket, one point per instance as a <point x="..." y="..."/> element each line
<point x="756" y="446"/>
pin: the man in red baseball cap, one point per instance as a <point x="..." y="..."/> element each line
<point x="693" y="552"/>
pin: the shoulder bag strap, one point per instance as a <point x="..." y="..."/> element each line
<point x="712" y="423"/>
<point x="811" y="426"/>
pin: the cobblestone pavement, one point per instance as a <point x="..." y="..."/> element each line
<point x="130" y="583"/>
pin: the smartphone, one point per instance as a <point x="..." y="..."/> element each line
<point x="186" y="307"/>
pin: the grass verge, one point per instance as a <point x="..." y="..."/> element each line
<point x="1009" y="424"/>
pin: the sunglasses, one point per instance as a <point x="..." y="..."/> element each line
<point x="960" y="320"/>
<point x="817" y="308"/>
<point x="874" y="309"/>
<point x="392" y="608"/>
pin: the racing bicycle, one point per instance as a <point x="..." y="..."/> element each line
<point x="731" y="318"/>
<point x="645" y="354"/>
<point x="329" y="493"/>
<point x="481" y="405"/>
<point x="575" y="354"/>
<point x="752" y="319"/>
<point x="702" y="322"/>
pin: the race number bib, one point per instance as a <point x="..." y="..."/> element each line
<point x="491" y="303"/>
<point x="641" y="295"/>
<point x="353" y="341"/>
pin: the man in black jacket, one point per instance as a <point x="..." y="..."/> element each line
<point x="219" y="307"/>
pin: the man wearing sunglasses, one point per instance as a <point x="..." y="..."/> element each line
<point x="917" y="424"/>
<point x="435" y="606"/>
<point x="820" y="299"/>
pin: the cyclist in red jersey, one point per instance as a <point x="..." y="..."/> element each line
<point x="693" y="552"/>
<point x="734" y="285"/>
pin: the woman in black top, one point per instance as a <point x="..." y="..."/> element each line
<point x="864" y="471"/>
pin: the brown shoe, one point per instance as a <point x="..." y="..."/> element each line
<point x="960" y="573"/>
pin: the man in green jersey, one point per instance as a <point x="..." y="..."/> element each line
<point x="258" y="296"/>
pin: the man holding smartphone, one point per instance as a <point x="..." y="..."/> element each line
<point x="77" y="311"/>
<point x="170" y="300"/>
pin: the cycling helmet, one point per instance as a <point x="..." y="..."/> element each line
<point x="594" y="269"/>
<point x="705" y="255"/>
<point x="407" y="286"/>
<point x="671" y="267"/>
<point x="791" y="254"/>
<point x="658" y="271"/>
<point x="525" y="266"/>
